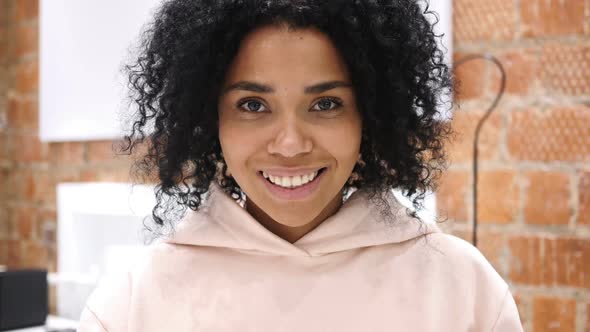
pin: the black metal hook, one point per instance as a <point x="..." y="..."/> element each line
<point x="497" y="62"/>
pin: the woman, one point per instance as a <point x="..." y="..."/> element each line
<point x="284" y="125"/>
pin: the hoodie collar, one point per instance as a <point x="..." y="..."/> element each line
<point x="222" y="222"/>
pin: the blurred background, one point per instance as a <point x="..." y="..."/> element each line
<point x="533" y="205"/>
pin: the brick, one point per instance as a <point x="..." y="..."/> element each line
<point x="52" y="299"/>
<point x="5" y="63"/>
<point x="565" y="69"/>
<point x="32" y="186"/>
<point x="588" y="317"/>
<point x="7" y="228"/>
<point x="542" y="18"/>
<point x="4" y="223"/>
<point x="24" y="218"/>
<point x="3" y="106"/>
<point x="470" y="78"/>
<point x="3" y="182"/>
<point x="27" y="148"/>
<point x="558" y="134"/>
<point x="492" y="245"/>
<point x="14" y="253"/>
<point x="47" y="226"/>
<point x="498" y="196"/>
<point x="481" y="20"/>
<point x="3" y="147"/>
<point x="4" y="51"/>
<point x="100" y="151"/>
<point x="521" y="67"/>
<point x="27" y="40"/>
<point x="3" y="252"/>
<point x="66" y="153"/>
<point x="541" y="261"/>
<point x="464" y="123"/>
<point x="23" y="113"/>
<point x="547" y="198"/>
<point x="554" y="314"/>
<point x="45" y="186"/>
<point x="465" y="235"/>
<point x="5" y="12"/>
<point x="537" y="269"/>
<point x="3" y="117"/>
<point x="52" y="259"/>
<point x="106" y="175"/>
<point x="31" y="182"/>
<point x="584" y="199"/>
<point x="11" y="178"/>
<point x="35" y="255"/>
<point x="27" y="77"/>
<point x="27" y="10"/>
<point x="517" y="298"/>
<point x="451" y="197"/>
<point x="521" y="305"/>
<point x="139" y="150"/>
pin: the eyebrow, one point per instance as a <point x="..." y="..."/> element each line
<point x="261" y="88"/>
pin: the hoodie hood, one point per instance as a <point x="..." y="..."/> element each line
<point x="222" y="222"/>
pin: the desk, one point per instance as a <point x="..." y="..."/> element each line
<point x="52" y="323"/>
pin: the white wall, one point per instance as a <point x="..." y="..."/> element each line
<point x="82" y="46"/>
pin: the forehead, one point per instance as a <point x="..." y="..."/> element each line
<point x="275" y="53"/>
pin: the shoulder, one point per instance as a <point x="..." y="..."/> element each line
<point x="461" y="254"/>
<point x="465" y="271"/>
<point x="108" y="305"/>
<point x="119" y="293"/>
<point x="460" y="266"/>
<point x="116" y="287"/>
<point x="106" y="308"/>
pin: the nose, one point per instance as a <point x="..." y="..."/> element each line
<point x="290" y="139"/>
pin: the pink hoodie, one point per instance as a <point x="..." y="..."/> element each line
<point x="223" y="271"/>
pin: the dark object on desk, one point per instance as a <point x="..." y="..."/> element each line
<point x="23" y="299"/>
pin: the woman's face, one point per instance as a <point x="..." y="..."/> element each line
<point x="289" y="127"/>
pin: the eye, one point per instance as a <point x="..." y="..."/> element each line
<point x="252" y="105"/>
<point x="327" y="104"/>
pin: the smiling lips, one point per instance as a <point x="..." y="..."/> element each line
<point x="292" y="185"/>
<point x="291" y="181"/>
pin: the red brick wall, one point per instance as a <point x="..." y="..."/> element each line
<point x="30" y="169"/>
<point x="534" y="178"/>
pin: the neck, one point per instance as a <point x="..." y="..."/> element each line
<point x="293" y="233"/>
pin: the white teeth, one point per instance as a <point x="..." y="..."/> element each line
<point x="286" y="181"/>
<point x="296" y="181"/>
<point x="304" y="178"/>
<point x="290" y="181"/>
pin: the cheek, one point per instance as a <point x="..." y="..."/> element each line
<point x="237" y="144"/>
<point x="343" y="142"/>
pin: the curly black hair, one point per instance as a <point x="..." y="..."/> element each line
<point x="390" y="48"/>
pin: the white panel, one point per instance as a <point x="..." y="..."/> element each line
<point x="100" y="230"/>
<point x="82" y="47"/>
<point x="444" y="8"/>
